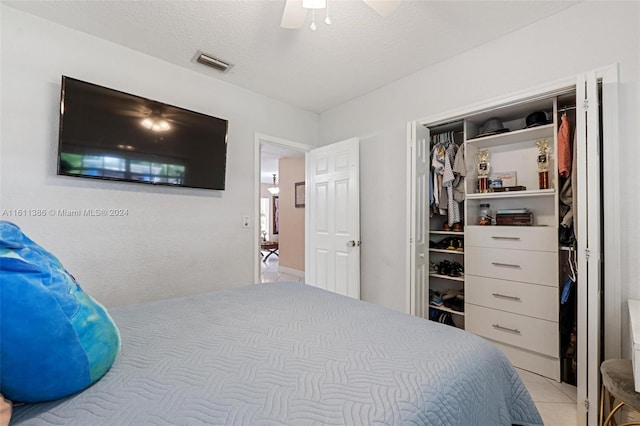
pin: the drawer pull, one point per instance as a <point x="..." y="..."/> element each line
<point x="506" y="238"/>
<point x="511" y="330"/>
<point x="506" y="297"/>
<point x="508" y="265"/>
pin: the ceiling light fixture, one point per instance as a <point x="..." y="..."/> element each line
<point x="155" y="124"/>
<point x="316" y="5"/>
<point x="274" y="190"/>
<point x="295" y="11"/>
<point x="210" y="61"/>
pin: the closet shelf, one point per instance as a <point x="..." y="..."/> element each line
<point x="513" y="194"/>
<point x="446" y="251"/>
<point x="445" y="309"/>
<point x="516" y="136"/>
<point x="447" y="277"/>
<point x="446" y="232"/>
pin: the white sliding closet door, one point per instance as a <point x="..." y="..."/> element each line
<point x="589" y="235"/>
<point x="419" y="217"/>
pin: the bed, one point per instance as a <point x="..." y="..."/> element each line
<point x="291" y="354"/>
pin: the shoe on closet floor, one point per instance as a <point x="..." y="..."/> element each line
<point x="434" y="298"/>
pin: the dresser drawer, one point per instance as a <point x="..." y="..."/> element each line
<point x="539" y="267"/>
<point x="524" y="332"/>
<point x="533" y="300"/>
<point x="540" y="238"/>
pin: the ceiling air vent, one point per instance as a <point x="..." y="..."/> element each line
<point x="212" y="62"/>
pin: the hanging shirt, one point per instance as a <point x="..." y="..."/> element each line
<point x="564" y="148"/>
<point x="448" y="178"/>
<point x="460" y="170"/>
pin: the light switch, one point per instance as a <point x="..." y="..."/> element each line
<point x="245" y="221"/>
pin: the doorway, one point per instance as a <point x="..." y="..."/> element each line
<point x="279" y="225"/>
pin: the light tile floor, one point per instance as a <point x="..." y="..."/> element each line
<point x="555" y="401"/>
<point x="269" y="271"/>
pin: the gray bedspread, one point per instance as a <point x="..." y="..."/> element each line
<point x="291" y="354"/>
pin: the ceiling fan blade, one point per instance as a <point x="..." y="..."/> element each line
<point x="383" y="7"/>
<point x="294" y="14"/>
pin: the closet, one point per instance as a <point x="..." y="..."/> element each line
<point x="446" y="225"/>
<point x="532" y="236"/>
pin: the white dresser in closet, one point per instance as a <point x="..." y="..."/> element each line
<point x="512" y="293"/>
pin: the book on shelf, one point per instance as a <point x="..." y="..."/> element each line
<point x="513" y="211"/>
<point x="515" y="219"/>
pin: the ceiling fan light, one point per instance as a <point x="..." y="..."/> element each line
<point x="156" y="125"/>
<point x="147" y="123"/>
<point x="314" y="4"/>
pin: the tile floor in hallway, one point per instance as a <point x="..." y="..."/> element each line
<point x="269" y="271"/>
<point x="556" y="402"/>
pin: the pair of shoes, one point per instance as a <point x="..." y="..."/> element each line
<point x="454" y="299"/>
<point x="445" y="318"/>
<point x="446" y="267"/>
<point x="442" y="244"/>
<point x="449" y="243"/>
<point x="457" y="227"/>
<point x="456" y="243"/>
<point x="433" y="268"/>
<point x="455" y="304"/>
<point x="457" y="270"/>
<point x="434" y="298"/>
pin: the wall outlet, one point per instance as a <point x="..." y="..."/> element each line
<point x="245" y="221"/>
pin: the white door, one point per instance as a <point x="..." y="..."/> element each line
<point x="418" y="160"/>
<point x="332" y="214"/>
<point x="589" y="247"/>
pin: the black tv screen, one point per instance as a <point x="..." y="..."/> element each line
<point x="108" y="134"/>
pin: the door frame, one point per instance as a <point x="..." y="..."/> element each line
<point x="611" y="216"/>
<point x="259" y="140"/>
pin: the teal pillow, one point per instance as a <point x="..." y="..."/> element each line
<point x="55" y="339"/>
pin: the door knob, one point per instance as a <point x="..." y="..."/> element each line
<point x="353" y="243"/>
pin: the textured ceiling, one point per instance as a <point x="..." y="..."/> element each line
<point x="313" y="70"/>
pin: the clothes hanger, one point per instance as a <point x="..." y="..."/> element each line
<point x="572" y="268"/>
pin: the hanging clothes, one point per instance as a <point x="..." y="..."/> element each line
<point x="437" y="165"/>
<point x="448" y="179"/>
<point x="567" y="194"/>
<point x="564" y="147"/>
<point x="460" y="170"/>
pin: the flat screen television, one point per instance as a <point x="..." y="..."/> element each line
<point x="108" y="134"/>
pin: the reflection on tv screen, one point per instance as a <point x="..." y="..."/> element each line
<point x="109" y="134"/>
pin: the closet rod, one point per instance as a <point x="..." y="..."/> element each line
<point x="566" y="108"/>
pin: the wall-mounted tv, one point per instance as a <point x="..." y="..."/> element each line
<point x="108" y="134"/>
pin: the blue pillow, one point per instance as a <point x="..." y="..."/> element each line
<point x="55" y="339"/>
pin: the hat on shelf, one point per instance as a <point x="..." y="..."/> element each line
<point x="538" y="118"/>
<point x="492" y="126"/>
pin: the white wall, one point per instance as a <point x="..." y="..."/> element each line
<point x="173" y="241"/>
<point x="587" y="36"/>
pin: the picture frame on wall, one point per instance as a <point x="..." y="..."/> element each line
<point x="299" y="194"/>
<point x="275" y="213"/>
